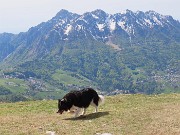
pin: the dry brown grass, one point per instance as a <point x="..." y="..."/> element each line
<point x="120" y="115"/>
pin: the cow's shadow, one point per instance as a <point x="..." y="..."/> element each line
<point x="89" y="116"/>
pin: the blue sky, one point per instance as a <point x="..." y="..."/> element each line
<point x="19" y="15"/>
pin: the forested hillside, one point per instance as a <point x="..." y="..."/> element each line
<point x="128" y="52"/>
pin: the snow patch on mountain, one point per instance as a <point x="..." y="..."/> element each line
<point x="112" y="25"/>
<point x="100" y="24"/>
<point x="148" y="23"/>
<point x="96" y="17"/>
<point x="100" y="27"/>
<point x="68" y="29"/>
<point x="157" y="21"/>
<point x="122" y="24"/>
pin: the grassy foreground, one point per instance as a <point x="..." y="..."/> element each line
<point x="120" y="115"/>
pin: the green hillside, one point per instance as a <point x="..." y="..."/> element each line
<point x="120" y="115"/>
<point x="85" y="63"/>
<point x="15" y="86"/>
<point x="135" y="57"/>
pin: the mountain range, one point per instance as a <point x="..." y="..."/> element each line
<point x="126" y="52"/>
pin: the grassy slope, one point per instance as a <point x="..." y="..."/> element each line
<point x="120" y="115"/>
<point x="66" y="78"/>
<point x="17" y="86"/>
